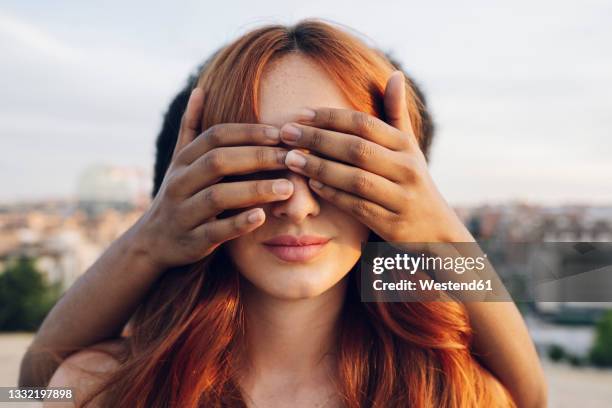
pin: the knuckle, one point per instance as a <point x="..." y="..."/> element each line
<point x="409" y="169"/>
<point x="214" y="135"/>
<point x="316" y="138"/>
<point x="320" y="170"/>
<point x="214" y="161"/>
<point x="333" y="194"/>
<point x="361" y="183"/>
<point x="360" y="151"/>
<point x="280" y="155"/>
<point x="172" y="184"/>
<point x="261" y="188"/>
<point x="360" y="208"/>
<point x="180" y="156"/>
<point x="213" y="199"/>
<point x="363" y="123"/>
<point x="328" y="117"/>
<point x="262" y="156"/>
<point x="407" y="141"/>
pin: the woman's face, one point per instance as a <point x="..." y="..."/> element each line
<point x="291" y="83"/>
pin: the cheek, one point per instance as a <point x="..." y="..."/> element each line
<point x="237" y="245"/>
<point x="240" y="251"/>
<point x="353" y="230"/>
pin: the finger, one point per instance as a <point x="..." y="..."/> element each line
<point x="355" y="123"/>
<point x="240" y="194"/>
<point x="350" y="179"/>
<point x="223" y="161"/>
<point x="396" y="108"/>
<point x="214" y="233"/>
<point x="190" y="121"/>
<point x="229" y="134"/>
<point x="347" y="148"/>
<point x="366" y="211"/>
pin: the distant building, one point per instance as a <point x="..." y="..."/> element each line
<point x="501" y="225"/>
<point x="123" y="188"/>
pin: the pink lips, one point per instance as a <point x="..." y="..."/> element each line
<point x="290" y="248"/>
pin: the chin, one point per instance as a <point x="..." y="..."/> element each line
<point x="294" y="282"/>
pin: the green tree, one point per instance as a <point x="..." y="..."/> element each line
<point x="601" y="352"/>
<point x="25" y="296"/>
<point x="556" y="352"/>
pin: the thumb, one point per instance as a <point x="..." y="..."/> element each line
<point x="190" y="122"/>
<point x="395" y="102"/>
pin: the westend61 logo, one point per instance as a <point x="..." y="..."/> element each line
<point x="489" y="271"/>
<point x="424" y="271"/>
<point x="429" y="266"/>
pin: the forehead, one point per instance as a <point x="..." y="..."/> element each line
<point x="292" y="82"/>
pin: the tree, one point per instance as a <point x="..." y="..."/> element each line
<point x="556" y="353"/>
<point x="25" y="296"/>
<point x="601" y="352"/>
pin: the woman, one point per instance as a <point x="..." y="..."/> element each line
<point x="321" y="139"/>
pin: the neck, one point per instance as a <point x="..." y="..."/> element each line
<point x="295" y="338"/>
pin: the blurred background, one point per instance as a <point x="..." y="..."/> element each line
<point x="521" y="95"/>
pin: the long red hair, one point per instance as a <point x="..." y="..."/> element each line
<point x="187" y="336"/>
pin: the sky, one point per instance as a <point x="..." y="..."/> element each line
<point x="521" y="92"/>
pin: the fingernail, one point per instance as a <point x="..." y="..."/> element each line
<point x="255" y="216"/>
<point x="295" y="159"/>
<point x="282" y="187"/>
<point x="272" y="133"/>
<point x="290" y="133"/>
<point x="306" y="114"/>
<point x="316" y="183"/>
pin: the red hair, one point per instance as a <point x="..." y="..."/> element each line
<point x="187" y="336"/>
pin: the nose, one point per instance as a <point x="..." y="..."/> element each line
<point x="300" y="204"/>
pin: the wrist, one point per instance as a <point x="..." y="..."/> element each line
<point x="139" y="249"/>
<point x="457" y="231"/>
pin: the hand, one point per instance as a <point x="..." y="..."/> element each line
<point x="181" y="226"/>
<point x="375" y="171"/>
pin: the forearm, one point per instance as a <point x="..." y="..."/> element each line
<point x="502" y="343"/>
<point x="501" y="340"/>
<point x="95" y="308"/>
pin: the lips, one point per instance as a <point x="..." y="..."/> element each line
<point x="291" y="240"/>
<point x="290" y="248"/>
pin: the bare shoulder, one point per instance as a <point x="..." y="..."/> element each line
<point x="85" y="370"/>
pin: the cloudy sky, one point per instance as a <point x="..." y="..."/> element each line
<point x="521" y="91"/>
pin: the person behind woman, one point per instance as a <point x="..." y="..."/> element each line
<point x="260" y="307"/>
